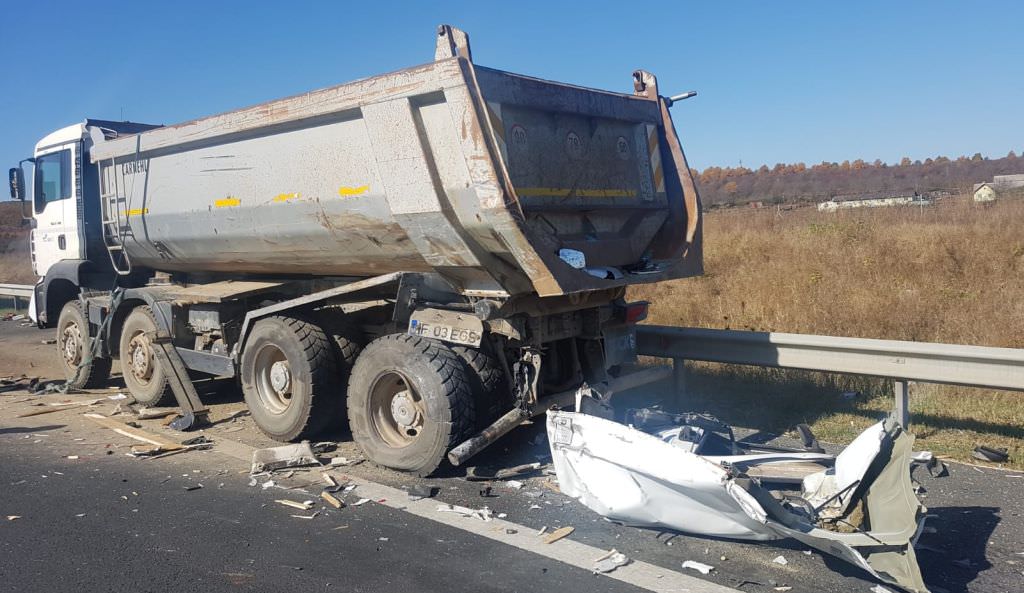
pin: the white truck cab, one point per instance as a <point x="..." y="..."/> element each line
<point x="61" y="198"/>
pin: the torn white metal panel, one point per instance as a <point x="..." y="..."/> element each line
<point x="633" y="477"/>
<point x="862" y="509"/>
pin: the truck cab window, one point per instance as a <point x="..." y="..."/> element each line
<point x="53" y="178"/>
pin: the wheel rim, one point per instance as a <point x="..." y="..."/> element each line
<point x="140" y="358"/>
<point x="396" y="410"/>
<point x="71" y="345"/>
<point x="273" y="379"/>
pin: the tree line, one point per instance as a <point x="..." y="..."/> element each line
<point x="798" y="182"/>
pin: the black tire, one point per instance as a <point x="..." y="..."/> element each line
<point x="487" y="382"/>
<point x="73" y="325"/>
<point x="143" y="375"/>
<point x="346" y="342"/>
<point x="436" y="382"/>
<point x="302" y="403"/>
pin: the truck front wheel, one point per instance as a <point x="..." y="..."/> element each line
<point x="409" y="402"/>
<point x="142" y="373"/>
<point x="288" y="378"/>
<point x="82" y="371"/>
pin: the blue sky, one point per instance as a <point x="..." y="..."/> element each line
<point x="778" y="81"/>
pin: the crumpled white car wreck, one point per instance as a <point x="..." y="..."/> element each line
<point x="686" y="472"/>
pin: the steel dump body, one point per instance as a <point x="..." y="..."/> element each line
<point x="479" y="175"/>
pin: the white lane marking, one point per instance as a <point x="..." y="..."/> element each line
<point x="639" y="574"/>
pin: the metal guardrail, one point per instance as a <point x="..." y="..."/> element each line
<point x="974" y="366"/>
<point x="17" y="290"/>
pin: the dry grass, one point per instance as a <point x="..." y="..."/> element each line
<point x="951" y="273"/>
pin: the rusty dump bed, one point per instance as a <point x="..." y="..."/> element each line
<point x="494" y="180"/>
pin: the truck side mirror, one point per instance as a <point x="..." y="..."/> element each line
<point x="17" y="179"/>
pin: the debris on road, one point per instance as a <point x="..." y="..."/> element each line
<point x="484" y="473"/>
<point x="610" y="561"/>
<point x="331" y="500"/>
<point x="421" y="491"/>
<point x="305" y="505"/>
<point x="59" y="407"/>
<point x="662" y="470"/>
<point x="193" y="487"/>
<point x="514" y="484"/>
<point x="558" y="534"/>
<point x="13" y="517"/>
<point x="151" y="413"/>
<point x="698" y="566"/>
<point x="990" y="454"/>
<point x="329" y="479"/>
<point x="780" y="559"/>
<point x="880" y="589"/>
<point x="483" y="514"/>
<point x="285" y="456"/>
<point x="335" y="461"/>
<point x="134" y="433"/>
<point x="360" y="502"/>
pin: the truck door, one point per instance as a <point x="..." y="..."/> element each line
<point x="55" y="208"/>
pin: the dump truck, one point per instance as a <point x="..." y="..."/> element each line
<point x="432" y="255"/>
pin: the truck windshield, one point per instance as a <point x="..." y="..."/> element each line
<point x="53" y="178"/>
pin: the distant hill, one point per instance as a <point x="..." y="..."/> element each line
<point x="15" y="266"/>
<point x="788" y="183"/>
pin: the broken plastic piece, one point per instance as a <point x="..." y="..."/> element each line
<point x="990" y="454"/>
<point x="698" y="566"/>
<point x="275" y="458"/>
<point x="421" y="491"/>
<point x="483" y="473"/>
<point x="483" y="514"/>
<point x="780" y="559"/>
<point x="610" y="562"/>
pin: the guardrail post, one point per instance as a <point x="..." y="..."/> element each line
<point x="901" y="388"/>
<point x="679" y="378"/>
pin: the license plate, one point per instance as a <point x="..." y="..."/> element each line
<point x="446" y="326"/>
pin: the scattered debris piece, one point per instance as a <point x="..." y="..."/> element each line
<point x="514" y="484"/>
<point x="197" y="441"/>
<point x="698" y="566"/>
<point x="487" y="492"/>
<point x="305" y="505"/>
<point x="49" y="342"/>
<point x="344" y="461"/>
<point x="150" y="413"/>
<point x="558" y="534"/>
<point x="484" y="473"/>
<point x="331" y="500"/>
<point x="510" y="531"/>
<point x="502" y="515"/>
<point x="990" y="454"/>
<point x="134" y="433"/>
<point x="421" y="491"/>
<point x="360" y="502"/>
<point x="880" y="589"/>
<point x="306" y="516"/>
<point x="193" y="487"/>
<point x="483" y="514"/>
<point x="269" y="484"/>
<point x="783" y="588"/>
<point x="542" y="530"/>
<point x="534" y="507"/>
<point x="13" y="517"/>
<point x="610" y="561"/>
<point x="285" y="456"/>
<point x="323" y="447"/>
<point x="72" y="457"/>
<point x="329" y="479"/>
<point x="780" y="559"/>
<point x="58" y="407"/>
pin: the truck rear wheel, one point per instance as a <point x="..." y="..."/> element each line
<point x="142" y="373"/>
<point x="409" y="402"/>
<point x="74" y="343"/>
<point x="487" y="382"/>
<point x="288" y="378"/>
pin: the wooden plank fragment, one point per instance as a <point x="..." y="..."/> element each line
<point x="134" y="433"/>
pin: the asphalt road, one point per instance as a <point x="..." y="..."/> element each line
<point x="140" y="529"/>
